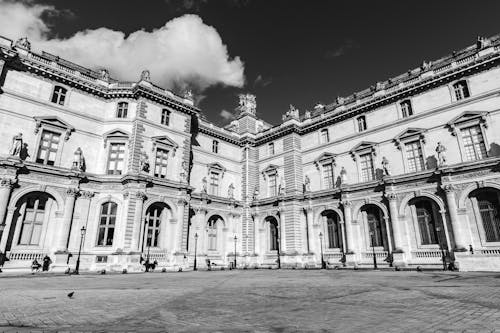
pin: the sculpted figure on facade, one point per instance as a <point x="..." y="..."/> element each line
<point x="144" y="162"/>
<point x="204" y="185"/>
<point x="230" y="191"/>
<point x="307" y="114"/>
<point x="307" y="184"/>
<point x="145" y="75"/>
<point x="292" y="112"/>
<point x="184" y="172"/>
<point x="247" y="103"/>
<point x="255" y="193"/>
<point x="16" y="145"/>
<point x="78" y="160"/>
<point x="281" y="187"/>
<point x="23" y="43"/>
<point x="343" y="176"/>
<point x="104" y="74"/>
<point x="24" y="154"/>
<point x="386" y="166"/>
<point x="188" y="94"/>
<point x="441" y="152"/>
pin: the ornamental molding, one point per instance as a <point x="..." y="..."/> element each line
<point x="164" y="141"/>
<point x="468" y="118"/>
<point x="115" y="134"/>
<point x="271" y="169"/>
<point x="325" y="158"/>
<point x="217" y="167"/>
<point x="53" y="122"/>
<point x="363" y="147"/>
<point x="409" y="134"/>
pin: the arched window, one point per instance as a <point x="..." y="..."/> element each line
<point x="32" y="219"/>
<point x="153" y="224"/>
<point x="334" y="231"/>
<point x="426" y="222"/>
<point x="122" y="110"/>
<point x="488" y="204"/>
<point x="107" y="222"/>
<point x="212" y="234"/>
<point x="273" y="235"/>
<point x="59" y="95"/>
<point x="374" y="219"/>
<point x="461" y="90"/>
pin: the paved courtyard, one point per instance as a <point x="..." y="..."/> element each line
<point x="253" y="301"/>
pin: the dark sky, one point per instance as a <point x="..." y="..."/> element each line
<point x="303" y="52"/>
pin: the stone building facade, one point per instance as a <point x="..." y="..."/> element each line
<point x="405" y="173"/>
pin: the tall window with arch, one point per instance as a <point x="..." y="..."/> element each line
<point x="488" y="205"/>
<point x="153" y="224"/>
<point x="273" y="235"/>
<point x="122" y="110"/>
<point x="374" y="220"/>
<point x="427" y="220"/>
<point x="212" y="234"/>
<point x="107" y="222"/>
<point x="334" y="231"/>
<point x="59" y="95"/>
<point x="32" y="219"/>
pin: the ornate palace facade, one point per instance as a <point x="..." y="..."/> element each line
<point x="406" y="171"/>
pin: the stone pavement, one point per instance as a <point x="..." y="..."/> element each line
<point x="253" y="301"/>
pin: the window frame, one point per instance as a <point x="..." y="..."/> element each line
<point x="165" y="120"/>
<point x="215" y="146"/>
<point x="163" y="162"/>
<point x="453" y="91"/>
<point x="466" y="120"/>
<point x="408" y="136"/>
<point x="365" y="123"/>
<point x="66" y="95"/>
<point x="118" y="115"/>
<point x="214" y="182"/>
<point x="323" y="161"/>
<point x="40" y="147"/>
<point x="324" y="136"/>
<point x="107" y="225"/>
<point x="403" y="110"/>
<point x="271" y="149"/>
<point x="124" y="160"/>
<point x="361" y="149"/>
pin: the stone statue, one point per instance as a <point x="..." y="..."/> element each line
<point x="247" y="103"/>
<point x="343" y="176"/>
<point x="144" y="162"/>
<point x="188" y="94"/>
<point x="16" y="145"/>
<point x="230" y="191"/>
<point x="104" y="74"/>
<point x="78" y="160"/>
<point x="319" y="106"/>
<point x="307" y="114"/>
<point x="441" y="152"/>
<point x="23" y="154"/>
<point x="204" y="185"/>
<point x="23" y="43"/>
<point x="256" y="193"/>
<point x="145" y="75"/>
<point x="292" y="112"/>
<point x="184" y="172"/>
<point x="340" y="100"/>
<point x="307" y="184"/>
<point x="281" y="187"/>
<point x="426" y="65"/>
<point x="385" y="166"/>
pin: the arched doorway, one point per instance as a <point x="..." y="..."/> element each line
<point x="30" y="220"/>
<point x="155" y="225"/>
<point x="272" y="232"/>
<point x="427" y="221"/>
<point x="484" y="205"/>
<point x="215" y="236"/>
<point x="332" y="230"/>
<point x="375" y="229"/>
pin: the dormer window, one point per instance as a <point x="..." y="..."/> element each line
<point x="59" y="95"/>
<point x="361" y="123"/>
<point x="406" y="109"/>
<point x="325" y="136"/>
<point x="461" y="90"/>
<point x="122" y="110"/>
<point x="165" y="117"/>
<point x="215" y="146"/>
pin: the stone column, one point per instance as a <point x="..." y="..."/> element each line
<point x="256" y="234"/>
<point x="202" y="231"/>
<point x="88" y="196"/>
<point x="177" y="240"/>
<point x="136" y="231"/>
<point x="65" y="227"/>
<point x="458" y="231"/>
<point x="6" y="231"/>
<point x="5" y="188"/>
<point x="351" y="245"/>
<point x="396" y="227"/>
<point x="310" y="232"/>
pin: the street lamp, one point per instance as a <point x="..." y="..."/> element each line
<point x="443" y="256"/>
<point x="195" y="247"/>
<point x="323" y="264"/>
<point x="235" y="240"/>
<point x="82" y="234"/>
<point x="372" y="234"/>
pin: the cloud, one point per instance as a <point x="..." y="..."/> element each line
<point x="261" y="81"/>
<point x="227" y="115"/>
<point x="342" y="49"/>
<point x="184" y="52"/>
<point x="195" y="6"/>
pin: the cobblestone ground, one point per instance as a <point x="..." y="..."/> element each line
<point x="253" y="301"/>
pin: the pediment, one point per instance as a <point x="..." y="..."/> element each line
<point x="165" y="140"/>
<point x="216" y="167"/>
<point x="53" y="121"/>
<point x="116" y="133"/>
<point x="363" y="145"/>
<point x="410" y="132"/>
<point x="271" y="168"/>
<point x="467" y="116"/>
<point x="325" y="157"/>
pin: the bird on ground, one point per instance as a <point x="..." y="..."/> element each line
<point x="70" y="295"/>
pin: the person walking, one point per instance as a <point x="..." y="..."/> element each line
<point x="35" y="266"/>
<point x="46" y="263"/>
<point x="3" y="259"/>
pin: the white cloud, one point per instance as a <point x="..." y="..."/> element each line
<point x="226" y="115"/>
<point x="185" y="51"/>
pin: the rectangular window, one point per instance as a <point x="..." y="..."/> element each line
<point x="414" y="156"/>
<point x="473" y="141"/>
<point x="270" y="148"/>
<point x="214" y="183"/>
<point x="47" y="150"/>
<point x="366" y="165"/>
<point x="272" y="185"/>
<point x="161" y="163"/>
<point x="215" y="146"/>
<point x="59" y="95"/>
<point x="361" y="123"/>
<point x="461" y="90"/>
<point x="406" y="109"/>
<point x="325" y="136"/>
<point x="328" y="175"/>
<point x="107" y="223"/>
<point x="122" y="110"/>
<point x="34" y="214"/>
<point x="165" y="117"/>
<point x="116" y="158"/>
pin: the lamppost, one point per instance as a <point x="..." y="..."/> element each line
<point x="443" y="255"/>
<point x="372" y="234"/>
<point x="235" y="240"/>
<point x="323" y="264"/>
<point x="195" y="248"/>
<point x="82" y="234"/>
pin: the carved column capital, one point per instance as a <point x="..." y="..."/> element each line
<point x="7" y="182"/>
<point x="391" y="196"/>
<point x="448" y="188"/>
<point x="87" y="194"/>
<point x="72" y="192"/>
<point x="346" y="203"/>
<point x="141" y="195"/>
